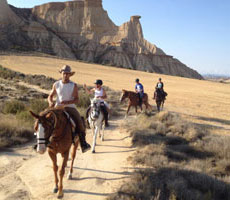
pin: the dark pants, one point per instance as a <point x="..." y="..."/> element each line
<point x="140" y="95"/>
<point x="80" y="128"/>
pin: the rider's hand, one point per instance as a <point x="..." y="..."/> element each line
<point x="64" y="102"/>
<point x="51" y="104"/>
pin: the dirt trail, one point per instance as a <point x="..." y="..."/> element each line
<point x="26" y="175"/>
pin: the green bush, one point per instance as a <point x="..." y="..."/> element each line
<point x="13" y="107"/>
<point x="84" y="99"/>
<point x="25" y="116"/>
<point x="38" y="105"/>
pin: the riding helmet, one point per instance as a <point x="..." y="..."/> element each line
<point x="137" y="80"/>
<point x="98" y="82"/>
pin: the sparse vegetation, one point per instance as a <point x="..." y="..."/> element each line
<point x="18" y="105"/>
<point x="39" y="80"/>
<point x="182" y="161"/>
<point x="13" y="132"/>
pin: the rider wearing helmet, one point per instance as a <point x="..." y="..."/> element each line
<point x="99" y="93"/>
<point x="139" y="88"/>
<point x="160" y="87"/>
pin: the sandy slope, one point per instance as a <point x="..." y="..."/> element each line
<point x="202" y="102"/>
<point x="27" y="175"/>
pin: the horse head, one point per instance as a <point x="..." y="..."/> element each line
<point x="124" y="95"/>
<point x="95" y="108"/>
<point x="44" y="126"/>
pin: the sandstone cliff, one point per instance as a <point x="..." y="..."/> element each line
<point x="82" y="30"/>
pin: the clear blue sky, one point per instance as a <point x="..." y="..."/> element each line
<point x="197" y="32"/>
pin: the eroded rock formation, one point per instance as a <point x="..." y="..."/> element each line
<point x="82" y="30"/>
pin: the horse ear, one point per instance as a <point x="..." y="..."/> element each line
<point x="34" y="115"/>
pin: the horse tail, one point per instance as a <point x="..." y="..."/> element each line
<point x="147" y="101"/>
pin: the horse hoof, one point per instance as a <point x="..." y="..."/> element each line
<point x="69" y="177"/>
<point x="102" y="139"/>
<point x="55" y="190"/>
<point x="93" y="151"/>
<point x="60" y="196"/>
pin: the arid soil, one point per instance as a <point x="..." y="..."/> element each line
<point x="26" y="175"/>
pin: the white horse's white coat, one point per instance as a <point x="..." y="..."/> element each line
<point x="96" y="122"/>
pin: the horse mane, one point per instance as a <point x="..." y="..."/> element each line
<point x="49" y="109"/>
<point x="129" y="91"/>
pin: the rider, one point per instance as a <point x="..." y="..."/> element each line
<point x="139" y="90"/>
<point x="99" y="93"/>
<point x="66" y="93"/>
<point x="160" y="86"/>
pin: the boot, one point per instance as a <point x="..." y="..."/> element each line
<point x="84" y="145"/>
<point x="106" y="119"/>
<point x="106" y="115"/>
<point x="87" y="115"/>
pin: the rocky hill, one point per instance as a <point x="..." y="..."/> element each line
<point x="82" y="30"/>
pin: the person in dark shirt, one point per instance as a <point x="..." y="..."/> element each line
<point x="160" y="86"/>
<point x="139" y="88"/>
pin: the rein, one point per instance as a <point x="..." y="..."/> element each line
<point x="52" y="137"/>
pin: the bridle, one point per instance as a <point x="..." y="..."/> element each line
<point x="52" y="128"/>
<point x="96" y="109"/>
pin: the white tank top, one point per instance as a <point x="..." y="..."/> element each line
<point x="64" y="92"/>
<point x="98" y="93"/>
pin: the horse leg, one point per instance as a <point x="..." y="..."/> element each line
<point x="158" y="106"/>
<point x="103" y="130"/>
<point x="162" y="105"/>
<point x="65" y="157"/>
<point x="94" y="139"/>
<point x="55" y="169"/>
<point x="73" y="155"/>
<point x="127" y="111"/>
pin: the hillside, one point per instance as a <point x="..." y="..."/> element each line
<point x="82" y="30"/>
<point x="187" y="144"/>
<point x="202" y="101"/>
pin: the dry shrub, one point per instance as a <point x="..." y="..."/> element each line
<point x="13" y="132"/>
<point x="185" y="161"/>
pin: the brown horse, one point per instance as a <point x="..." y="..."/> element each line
<point x="134" y="100"/>
<point x="54" y="130"/>
<point x="160" y="99"/>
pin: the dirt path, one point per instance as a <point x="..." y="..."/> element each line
<point x="27" y="175"/>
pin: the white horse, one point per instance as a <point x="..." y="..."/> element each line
<point x="96" y="121"/>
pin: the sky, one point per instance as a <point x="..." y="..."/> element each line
<point x="197" y="32"/>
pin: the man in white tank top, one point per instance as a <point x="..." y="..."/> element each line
<point x="66" y="93"/>
<point x="99" y="93"/>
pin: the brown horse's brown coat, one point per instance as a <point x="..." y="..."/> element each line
<point x="134" y="100"/>
<point x="60" y="142"/>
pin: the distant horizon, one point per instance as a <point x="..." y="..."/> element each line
<point x="194" y="32"/>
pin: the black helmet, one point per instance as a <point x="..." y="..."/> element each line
<point x="98" y="82"/>
<point x="137" y="80"/>
<point x="159" y="79"/>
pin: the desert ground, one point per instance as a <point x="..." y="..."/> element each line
<point x="26" y="175"/>
<point x="201" y="101"/>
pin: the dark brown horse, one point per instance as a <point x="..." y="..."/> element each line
<point x="134" y="100"/>
<point x="160" y="99"/>
<point x="54" y="130"/>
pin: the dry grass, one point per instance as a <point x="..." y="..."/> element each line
<point x="13" y="132"/>
<point x="182" y="160"/>
<point x="203" y="102"/>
